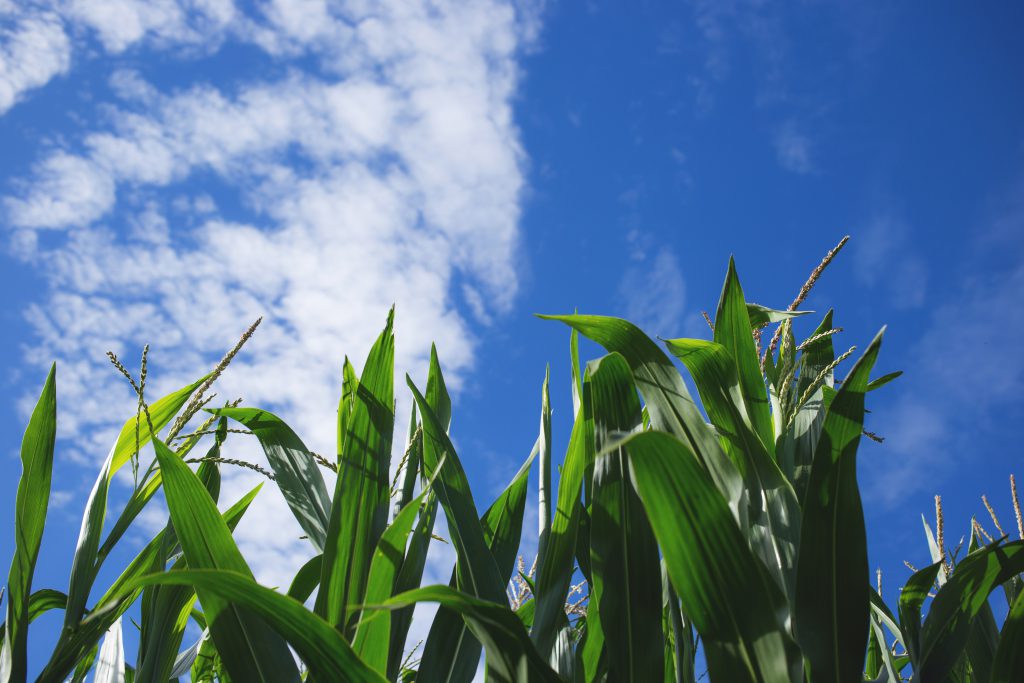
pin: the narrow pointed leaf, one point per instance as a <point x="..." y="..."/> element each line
<point x="362" y="491"/>
<point x="1008" y="665"/>
<point x="110" y="662"/>
<point x="298" y="475"/>
<point x="29" y="519"/>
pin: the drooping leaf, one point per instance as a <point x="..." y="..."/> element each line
<point x="29" y="519"/>
<point x="250" y="650"/>
<point x="724" y="589"/>
<point x="947" y="627"/>
<point x="306" y="579"/>
<point x="449" y="647"/>
<point x="298" y="475"/>
<point x="359" y="512"/>
<point x="320" y="646"/>
<point x="511" y="657"/>
<point x="666" y="398"/>
<point x="760" y="316"/>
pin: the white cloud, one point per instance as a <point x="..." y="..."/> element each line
<point x="885" y="257"/>
<point x="653" y="293"/>
<point x="793" y="149"/>
<point x="32" y="51"/>
<point x="316" y="199"/>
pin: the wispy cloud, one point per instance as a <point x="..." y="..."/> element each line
<point x="316" y="197"/>
<point x="793" y="149"/>
<point x="33" y="49"/>
<point x="886" y="256"/>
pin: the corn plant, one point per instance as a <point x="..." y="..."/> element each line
<point x="727" y="533"/>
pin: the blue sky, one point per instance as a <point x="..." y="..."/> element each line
<point x="172" y="170"/>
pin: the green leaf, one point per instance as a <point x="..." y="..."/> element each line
<point x="724" y="589"/>
<point x="668" y="402"/>
<point x="320" y="646"/>
<point x="1008" y="664"/>
<point x="760" y="316"/>
<point x="912" y="596"/>
<point x="798" y="441"/>
<point x="250" y="650"/>
<point x="76" y="644"/>
<point x="833" y="597"/>
<point x="39" y="603"/>
<point x="449" y="648"/>
<point x="623" y="551"/>
<point x="732" y="330"/>
<point x="511" y="657"/>
<point x="555" y="564"/>
<point x="29" y="519"/>
<point x="947" y="627"/>
<point x="359" y="512"/>
<point x="773" y="510"/>
<point x="373" y="633"/>
<point x="297" y="474"/>
<point x="161" y="413"/>
<point x="883" y="380"/>
<point x="306" y="579"/>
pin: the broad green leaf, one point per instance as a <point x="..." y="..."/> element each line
<point x="161" y="413"/>
<point x="511" y="657"/>
<point x="165" y="610"/>
<point x="668" y="402"/>
<point x="1008" y="665"/>
<point x="250" y="650"/>
<point x="724" y="589"/>
<point x="359" y="512"/>
<point x="833" y="597"/>
<point x="298" y="475"/>
<point x="76" y="645"/>
<point x="760" y="316"/>
<point x="947" y="627"/>
<point x="912" y="597"/>
<point x="773" y="510"/>
<point x="29" y="519"/>
<point x="110" y="662"/>
<point x="732" y="330"/>
<point x="306" y="579"/>
<point x="318" y="644"/>
<point x="450" y="650"/>
<point x="623" y="551"/>
<point x="39" y="603"/>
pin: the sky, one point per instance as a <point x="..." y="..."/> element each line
<point x="171" y="170"/>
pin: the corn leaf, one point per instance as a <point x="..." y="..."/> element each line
<point x="110" y="662"/>
<point x="318" y="644"/>
<point x="724" y="589"/>
<point x="623" y="551"/>
<point x="298" y="475"/>
<point x="668" y="402"/>
<point x="761" y="316"/>
<point x="250" y="650"/>
<point x="511" y="657"/>
<point x="732" y="330"/>
<point x="29" y="520"/>
<point x="833" y="597"/>
<point x="1008" y="664"/>
<point x="306" y="579"/>
<point x="772" y="507"/>
<point x="359" y="512"/>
